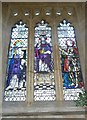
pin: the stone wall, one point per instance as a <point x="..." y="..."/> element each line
<point x="78" y="21"/>
<point x="0" y="58"/>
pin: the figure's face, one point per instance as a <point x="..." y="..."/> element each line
<point x="43" y="40"/>
<point x="20" y="52"/>
<point x="15" y="76"/>
<point x="22" y="62"/>
<point x="69" y="43"/>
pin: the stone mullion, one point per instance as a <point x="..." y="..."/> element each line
<point x="80" y="28"/>
<point x="60" y="79"/>
<point x="30" y="65"/>
<point x="57" y="67"/>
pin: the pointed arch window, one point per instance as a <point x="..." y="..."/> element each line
<point x="44" y="84"/>
<point x="15" y="89"/>
<point x="70" y="62"/>
<point x="44" y="81"/>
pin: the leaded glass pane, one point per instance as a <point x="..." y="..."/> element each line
<point x="16" y="66"/>
<point x="70" y="63"/>
<point x="44" y="84"/>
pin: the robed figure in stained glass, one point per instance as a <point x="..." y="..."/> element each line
<point x="43" y="56"/>
<point x="44" y="85"/>
<point x="70" y="62"/>
<point x="17" y="61"/>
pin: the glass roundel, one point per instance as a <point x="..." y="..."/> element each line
<point x="44" y="84"/>
<point x="15" y="89"/>
<point x="70" y="62"/>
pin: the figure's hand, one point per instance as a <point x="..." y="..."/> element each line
<point x="47" y="52"/>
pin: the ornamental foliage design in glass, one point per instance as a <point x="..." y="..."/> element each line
<point x="70" y="62"/>
<point x="44" y="84"/>
<point x="17" y="61"/>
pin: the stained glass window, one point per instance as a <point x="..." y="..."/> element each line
<point x="44" y="84"/>
<point x="17" y="61"/>
<point x="70" y="62"/>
